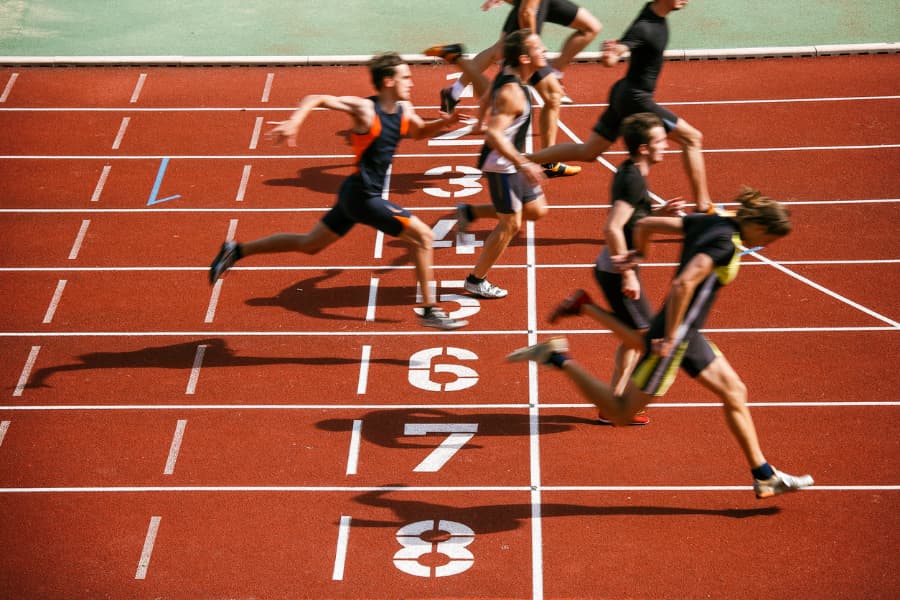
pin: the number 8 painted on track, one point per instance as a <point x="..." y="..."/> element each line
<point x="460" y="559"/>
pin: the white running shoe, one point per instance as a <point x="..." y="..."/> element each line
<point x="485" y="289"/>
<point x="441" y="320"/>
<point x="781" y="483"/>
<point x="539" y="352"/>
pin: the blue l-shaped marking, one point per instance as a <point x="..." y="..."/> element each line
<point x="156" y="185"/>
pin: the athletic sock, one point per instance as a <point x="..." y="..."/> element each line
<point x="763" y="472"/>
<point x="238" y="252"/>
<point x="475" y="280"/>
<point x="456" y="89"/>
<point x="427" y="310"/>
<point x="557" y="359"/>
<point x="470" y="214"/>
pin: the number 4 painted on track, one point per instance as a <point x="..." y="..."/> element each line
<point x="460" y="433"/>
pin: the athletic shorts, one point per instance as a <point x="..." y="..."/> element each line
<point x="560" y="12"/>
<point x="354" y="206"/>
<point x="655" y="374"/>
<point x="625" y="100"/>
<point x="634" y="313"/>
<point x="511" y="191"/>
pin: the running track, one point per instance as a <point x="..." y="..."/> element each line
<point x="292" y="432"/>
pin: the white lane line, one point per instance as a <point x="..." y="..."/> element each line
<point x="213" y="301"/>
<point x="320" y="407"/>
<point x="364" y="370"/>
<point x="4" y="427"/>
<point x="353" y="451"/>
<point x="26" y="370"/>
<point x="121" y="134"/>
<point x="379" y="244"/>
<point x="373" y="299"/>
<point x="9" y="87"/>
<point x="175" y="447"/>
<point x="138" y="87"/>
<point x="242" y="188"/>
<point x="101" y="183"/>
<point x="149" y="542"/>
<point x="267" y="89"/>
<point x="54" y="301"/>
<point x="232" y="229"/>
<point x="79" y="239"/>
<point x="195" y="370"/>
<point x="340" y="556"/>
<point x="355" y="489"/>
<point x="257" y="129"/>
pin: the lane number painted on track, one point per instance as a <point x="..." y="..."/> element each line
<point x="423" y="364"/>
<point x="421" y="539"/>
<point x="469" y="181"/>
<point x="457" y="436"/>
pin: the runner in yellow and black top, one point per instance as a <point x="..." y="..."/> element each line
<point x="378" y="124"/>
<point x="709" y="260"/>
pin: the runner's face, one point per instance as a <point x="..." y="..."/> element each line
<point x="536" y="51"/>
<point x="658" y="144"/>
<point x="402" y="81"/>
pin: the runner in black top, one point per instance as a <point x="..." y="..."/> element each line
<point x="710" y="259"/>
<point x="645" y="138"/>
<point x="646" y="40"/>
<point x="532" y="14"/>
<point x="379" y="122"/>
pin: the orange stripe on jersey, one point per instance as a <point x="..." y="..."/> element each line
<point x="361" y="141"/>
<point x="404" y="220"/>
<point x="404" y="123"/>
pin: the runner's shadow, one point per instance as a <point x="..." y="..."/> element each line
<point x="493" y="518"/>
<point x="328" y="179"/>
<point x="385" y="427"/>
<point x="308" y="298"/>
<point x="181" y="356"/>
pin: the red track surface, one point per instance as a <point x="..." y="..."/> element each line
<point x="274" y="381"/>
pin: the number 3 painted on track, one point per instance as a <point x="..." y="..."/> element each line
<point x="468" y="182"/>
<point x="454" y="548"/>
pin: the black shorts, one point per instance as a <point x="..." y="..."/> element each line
<point x="560" y="12"/>
<point x="625" y="100"/>
<point x="655" y="374"/>
<point x="354" y="206"/>
<point x="634" y="313"/>
<point x="510" y="191"/>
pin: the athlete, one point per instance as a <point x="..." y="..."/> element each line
<point x="710" y="258"/>
<point x="645" y="139"/>
<point x="378" y="124"/>
<point x="646" y="39"/>
<point x="532" y="14"/>
<point x="514" y="181"/>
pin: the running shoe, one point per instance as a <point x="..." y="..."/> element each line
<point x="448" y="102"/>
<point x="448" y="52"/>
<point x="780" y="483"/>
<point x="639" y="419"/>
<point x="484" y="289"/>
<point x="223" y="261"/>
<point x="559" y="169"/>
<point x="571" y="306"/>
<point x="462" y="217"/>
<point x="438" y="319"/>
<point x="540" y="352"/>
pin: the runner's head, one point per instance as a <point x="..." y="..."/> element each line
<point x="523" y="47"/>
<point x="762" y="220"/>
<point x="644" y="134"/>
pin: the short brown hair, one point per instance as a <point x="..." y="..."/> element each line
<point x="636" y="130"/>
<point x="383" y="65"/>
<point x="514" y="46"/>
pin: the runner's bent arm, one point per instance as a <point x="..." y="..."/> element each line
<point x="680" y="294"/>
<point x="614" y="230"/>
<point x="612" y="52"/>
<point x="509" y="102"/>
<point x="360" y="110"/>
<point x="420" y="128"/>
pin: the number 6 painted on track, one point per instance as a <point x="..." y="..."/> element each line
<point x="421" y="366"/>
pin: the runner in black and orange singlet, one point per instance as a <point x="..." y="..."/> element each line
<point x="378" y="124"/>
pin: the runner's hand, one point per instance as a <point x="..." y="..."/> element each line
<point x="662" y="347"/>
<point x="284" y="131"/>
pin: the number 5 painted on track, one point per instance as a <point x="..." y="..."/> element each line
<point x="460" y="433"/>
